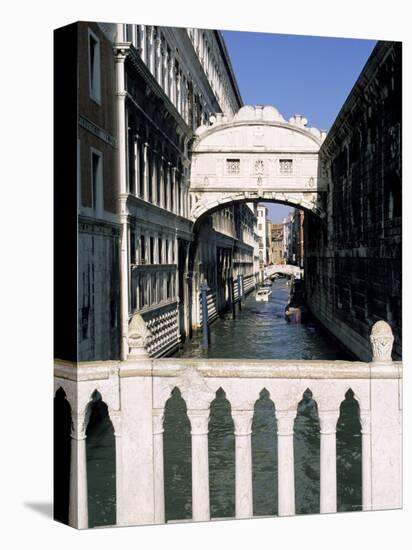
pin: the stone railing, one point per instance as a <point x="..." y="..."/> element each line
<point x="136" y="392"/>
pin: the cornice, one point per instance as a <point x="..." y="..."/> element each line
<point x="236" y="124"/>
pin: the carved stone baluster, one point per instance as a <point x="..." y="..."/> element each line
<point x="328" y="420"/>
<point x="365" y="417"/>
<point x="243" y="463"/>
<point x="116" y="419"/>
<point x="199" y="419"/>
<point x="159" y="495"/>
<point x="78" y="507"/>
<point x="286" y="465"/>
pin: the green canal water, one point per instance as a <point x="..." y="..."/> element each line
<point x="259" y="331"/>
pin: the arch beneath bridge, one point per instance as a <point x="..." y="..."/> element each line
<point x="256" y="156"/>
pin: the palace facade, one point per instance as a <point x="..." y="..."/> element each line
<point x="143" y="91"/>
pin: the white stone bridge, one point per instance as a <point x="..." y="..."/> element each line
<point x="256" y="156"/>
<point x="283" y="269"/>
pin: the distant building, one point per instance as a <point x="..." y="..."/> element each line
<point x="262" y="230"/>
<point x="276" y="248"/>
<point x="295" y="240"/>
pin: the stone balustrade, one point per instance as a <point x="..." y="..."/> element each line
<point x="136" y="392"/>
<point x="164" y="327"/>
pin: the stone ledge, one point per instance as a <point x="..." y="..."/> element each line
<point x="226" y="368"/>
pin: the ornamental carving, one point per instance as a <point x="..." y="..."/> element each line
<point x="381" y="341"/>
<point x="259" y="167"/>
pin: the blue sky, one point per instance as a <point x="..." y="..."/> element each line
<point x="308" y="75"/>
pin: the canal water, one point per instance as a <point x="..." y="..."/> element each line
<point x="259" y="331"/>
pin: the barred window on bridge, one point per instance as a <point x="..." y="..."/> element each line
<point x="286" y="166"/>
<point x="233" y="166"/>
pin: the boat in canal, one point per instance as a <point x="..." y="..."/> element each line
<point x="263" y="294"/>
<point x="293" y="314"/>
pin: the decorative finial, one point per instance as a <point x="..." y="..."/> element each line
<point x="138" y="337"/>
<point x="382" y="341"/>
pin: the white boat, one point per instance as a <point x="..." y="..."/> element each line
<point x="263" y="294"/>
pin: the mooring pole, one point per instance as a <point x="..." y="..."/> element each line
<point x="232" y="297"/>
<point x="239" y="290"/>
<point x="205" y="316"/>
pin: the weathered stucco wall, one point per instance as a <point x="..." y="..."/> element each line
<point x="353" y="263"/>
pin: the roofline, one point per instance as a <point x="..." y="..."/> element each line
<point x="226" y="58"/>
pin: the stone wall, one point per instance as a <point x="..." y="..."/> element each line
<point x="353" y="265"/>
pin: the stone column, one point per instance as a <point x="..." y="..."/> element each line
<point x="134" y="36"/>
<point x="155" y="175"/>
<point x="136" y="165"/>
<point x="243" y="463"/>
<point x="159" y="59"/>
<point x="365" y="417"/>
<point x="146" y="171"/>
<point x="199" y="419"/>
<point x="156" y="248"/>
<point x="386" y="421"/>
<point x="116" y="419"/>
<point x="142" y="43"/>
<point x="174" y="189"/>
<point x="159" y="494"/>
<point x="78" y="507"/>
<point x="179" y="92"/>
<point x="120" y="56"/>
<point x="286" y="464"/>
<point x="172" y="95"/>
<point x="151" y="52"/>
<point x="168" y="186"/>
<point x="162" y="176"/>
<point x="328" y="420"/>
<point x="165" y="72"/>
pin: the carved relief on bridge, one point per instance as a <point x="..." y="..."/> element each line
<point x="258" y="155"/>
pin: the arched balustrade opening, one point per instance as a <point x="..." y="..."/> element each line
<point x="307" y="456"/>
<point x="177" y="449"/>
<point x="349" y="455"/>
<point x="101" y="464"/>
<point x="264" y="457"/>
<point x="62" y="456"/>
<point x="221" y="458"/>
